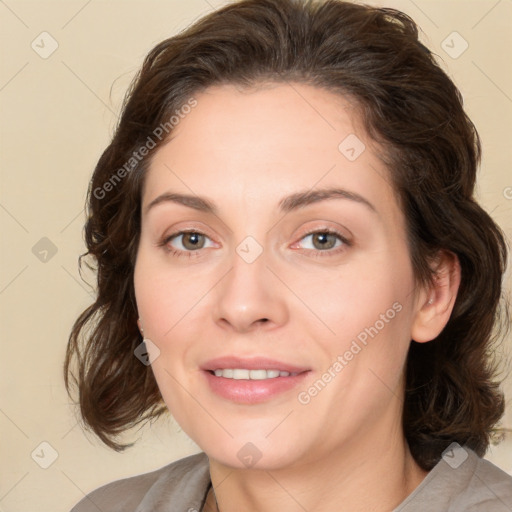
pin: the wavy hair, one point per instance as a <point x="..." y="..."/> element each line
<point x="408" y="105"/>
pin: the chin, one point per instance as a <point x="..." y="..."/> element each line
<point x="252" y="452"/>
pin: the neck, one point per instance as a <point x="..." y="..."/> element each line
<point x="343" y="477"/>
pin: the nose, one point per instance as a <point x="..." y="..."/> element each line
<point x="250" y="297"/>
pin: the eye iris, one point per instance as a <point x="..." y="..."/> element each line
<point x="326" y="240"/>
<point x="196" y="240"/>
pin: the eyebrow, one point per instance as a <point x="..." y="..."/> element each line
<point x="301" y="199"/>
<point x="287" y="204"/>
<point x="195" y="202"/>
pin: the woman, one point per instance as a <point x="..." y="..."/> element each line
<point x="290" y="260"/>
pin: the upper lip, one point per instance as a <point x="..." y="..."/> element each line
<point x="252" y="363"/>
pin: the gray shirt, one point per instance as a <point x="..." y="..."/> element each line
<point x="460" y="482"/>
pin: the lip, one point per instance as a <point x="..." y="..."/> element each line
<point x="246" y="391"/>
<point x="252" y="363"/>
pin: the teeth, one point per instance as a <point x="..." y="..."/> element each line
<point x="239" y="373"/>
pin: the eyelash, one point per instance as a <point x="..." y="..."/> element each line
<point x="328" y="252"/>
<point x="164" y="243"/>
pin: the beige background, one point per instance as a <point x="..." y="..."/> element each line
<point x="57" y="115"/>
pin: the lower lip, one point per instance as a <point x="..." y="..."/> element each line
<point x="244" y="391"/>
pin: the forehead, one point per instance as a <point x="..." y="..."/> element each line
<point x="280" y="116"/>
<point x="264" y="142"/>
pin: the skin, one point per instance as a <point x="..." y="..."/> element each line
<point x="245" y="150"/>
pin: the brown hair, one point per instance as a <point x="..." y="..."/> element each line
<point x="408" y="105"/>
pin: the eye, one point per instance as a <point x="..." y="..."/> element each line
<point x="324" y="240"/>
<point x="186" y="241"/>
<point x="321" y="240"/>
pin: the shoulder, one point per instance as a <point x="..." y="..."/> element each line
<point x="182" y="483"/>
<point x="461" y="482"/>
<point x="489" y="488"/>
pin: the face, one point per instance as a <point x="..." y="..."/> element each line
<point x="263" y="264"/>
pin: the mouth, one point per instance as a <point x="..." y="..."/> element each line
<point x="246" y="374"/>
<point x="241" y="365"/>
<point x="251" y="381"/>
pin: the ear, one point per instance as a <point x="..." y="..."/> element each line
<point x="139" y="325"/>
<point x="435" y="302"/>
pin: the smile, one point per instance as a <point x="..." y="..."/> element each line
<point x="239" y="374"/>
<point x="243" y="386"/>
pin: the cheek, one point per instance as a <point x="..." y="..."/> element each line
<point x="363" y="361"/>
<point x="164" y="297"/>
<point x="172" y="312"/>
<point x="351" y="299"/>
<point x="365" y="318"/>
<point x="164" y="302"/>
